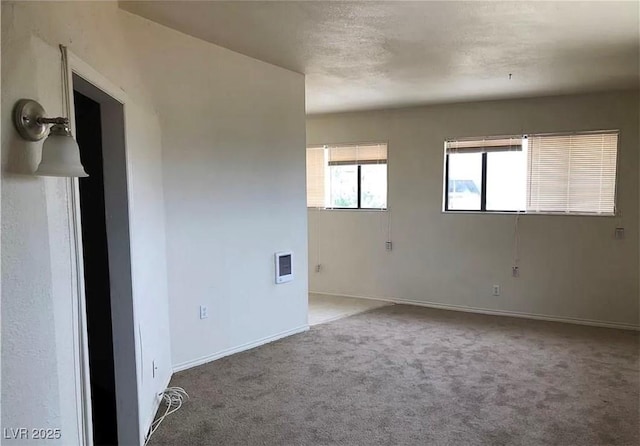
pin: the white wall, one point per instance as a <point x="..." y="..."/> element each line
<point x="233" y="131"/>
<point x="38" y="388"/>
<point x="215" y="145"/>
<point x="570" y="266"/>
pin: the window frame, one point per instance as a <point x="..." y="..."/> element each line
<point x="483" y="193"/>
<point x="358" y="164"/>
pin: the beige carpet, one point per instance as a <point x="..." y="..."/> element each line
<point x="402" y="375"/>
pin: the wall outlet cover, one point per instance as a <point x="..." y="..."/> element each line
<point x="204" y="312"/>
<point x="496" y="290"/>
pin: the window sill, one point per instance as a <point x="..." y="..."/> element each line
<point x="348" y="209"/>
<point x="542" y="214"/>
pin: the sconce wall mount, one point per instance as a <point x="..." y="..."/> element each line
<point x="31" y="122"/>
<point x="60" y="152"/>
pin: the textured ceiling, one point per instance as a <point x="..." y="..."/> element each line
<point x="363" y="55"/>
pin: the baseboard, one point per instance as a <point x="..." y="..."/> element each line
<point x="230" y="351"/>
<point x="542" y="317"/>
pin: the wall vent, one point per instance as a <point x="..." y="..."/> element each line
<point x="284" y="266"/>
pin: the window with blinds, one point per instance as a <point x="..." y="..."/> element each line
<point x="347" y="176"/>
<point x="485" y="174"/>
<point x="316" y="174"/>
<point x="573" y="173"/>
<point x="543" y="173"/>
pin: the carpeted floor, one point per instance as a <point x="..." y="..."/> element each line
<point x="403" y="375"/>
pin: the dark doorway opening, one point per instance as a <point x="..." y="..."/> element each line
<point x="96" y="272"/>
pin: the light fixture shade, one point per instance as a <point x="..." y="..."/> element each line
<point x="60" y="156"/>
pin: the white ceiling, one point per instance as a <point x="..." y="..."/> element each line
<point x="364" y="55"/>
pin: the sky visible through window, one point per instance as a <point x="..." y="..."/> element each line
<point x="506" y="180"/>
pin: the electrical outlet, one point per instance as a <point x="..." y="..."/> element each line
<point x="318" y="268"/>
<point x="388" y="246"/>
<point x="204" y="312"/>
<point x="515" y="271"/>
<point x="496" y="290"/>
<point x="619" y="234"/>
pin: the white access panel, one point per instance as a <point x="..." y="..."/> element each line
<point x="284" y="266"/>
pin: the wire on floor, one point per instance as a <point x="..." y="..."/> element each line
<point x="173" y="397"/>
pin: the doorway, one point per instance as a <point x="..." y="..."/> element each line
<point x="106" y="262"/>
<point x="96" y="272"/>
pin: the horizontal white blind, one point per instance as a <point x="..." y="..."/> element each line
<point x="358" y="154"/>
<point x="316" y="164"/>
<point x="491" y="144"/>
<point x="572" y="173"/>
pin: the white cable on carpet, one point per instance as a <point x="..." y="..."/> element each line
<point x="173" y="397"/>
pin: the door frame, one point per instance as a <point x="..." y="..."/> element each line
<point x="80" y="339"/>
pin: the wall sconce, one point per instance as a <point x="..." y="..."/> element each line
<point x="60" y="152"/>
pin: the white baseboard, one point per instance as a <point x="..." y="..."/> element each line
<point x="542" y="317"/>
<point x="230" y="351"/>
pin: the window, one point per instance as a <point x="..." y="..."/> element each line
<point x="573" y="173"/>
<point x="486" y="174"/>
<point x="546" y="173"/>
<point x="347" y="176"/>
